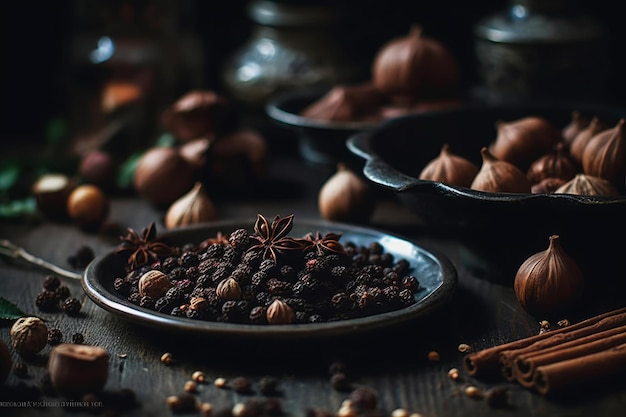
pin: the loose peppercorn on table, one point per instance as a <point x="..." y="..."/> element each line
<point x="416" y="368"/>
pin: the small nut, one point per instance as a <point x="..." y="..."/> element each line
<point x="433" y="356"/>
<point x="206" y="409"/>
<point x="228" y="289"/>
<point x="29" y="336"/>
<point x="454" y="374"/>
<point x="88" y="206"/>
<point x="199" y="304"/>
<point x="220" y="382"/>
<point x="154" y="284"/>
<point x="464" y="348"/>
<point x="280" y="312"/>
<point x="473" y="392"/>
<point x="399" y="412"/>
<point x="78" y="369"/>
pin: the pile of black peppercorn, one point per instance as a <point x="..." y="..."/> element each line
<point x="319" y="285"/>
<point x="56" y="296"/>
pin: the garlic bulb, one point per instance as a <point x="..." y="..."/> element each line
<point x="521" y="141"/>
<point x="345" y="197"/>
<point x="498" y="176"/>
<point x="548" y="282"/>
<point x="605" y="154"/>
<point x="450" y="169"/>
<point x="588" y="185"/>
<point x="415" y="65"/>
<point x="192" y="208"/>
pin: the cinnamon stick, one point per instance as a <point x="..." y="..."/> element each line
<point x="557" y="376"/>
<point x="487" y="361"/>
<point x="525" y="365"/>
<point x="507" y="357"/>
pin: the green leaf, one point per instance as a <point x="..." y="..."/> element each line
<point x="17" y="208"/>
<point x="166" y="140"/>
<point x="9" y="311"/>
<point x="9" y="174"/>
<point x="127" y="170"/>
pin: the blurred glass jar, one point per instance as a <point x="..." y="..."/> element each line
<point x="293" y="45"/>
<point x="542" y="49"/>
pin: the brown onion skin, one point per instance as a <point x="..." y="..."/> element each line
<point x="580" y="141"/>
<point x="162" y="176"/>
<point x="523" y="140"/>
<point x="498" y="176"/>
<point x="605" y="154"/>
<point x="577" y="123"/>
<point x="415" y="66"/>
<point x="547" y="186"/>
<point x="554" y="164"/>
<point x="588" y="185"/>
<point x="450" y="169"/>
<point x="548" y="282"/>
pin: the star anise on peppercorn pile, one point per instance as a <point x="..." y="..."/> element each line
<point x="272" y="239"/>
<point x="329" y="243"/>
<point x="143" y="248"/>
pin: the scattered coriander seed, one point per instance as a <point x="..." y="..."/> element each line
<point x="78" y="338"/>
<point x="190" y="386"/>
<point x="399" y="412"/>
<point x="182" y="403"/>
<point x="167" y="358"/>
<point x="464" y="348"/>
<point x="433" y="356"/>
<point x="473" y="392"/>
<point x="198" y="376"/>
<point x="206" y="409"/>
<point x="496" y="397"/>
<point x="239" y="410"/>
<point x="220" y="382"/>
<point x="454" y="374"/>
<point x="563" y="323"/>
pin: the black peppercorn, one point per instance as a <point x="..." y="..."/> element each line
<point x="51" y="283"/>
<point x="241" y="384"/>
<point x="81" y="258"/>
<point x="268" y="385"/>
<point x="47" y="301"/>
<point x="55" y="336"/>
<point x="71" y="306"/>
<point x="63" y="292"/>
<point x="78" y="338"/>
<point x="340" y="382"/>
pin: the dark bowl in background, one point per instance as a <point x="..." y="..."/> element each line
<point x="319" y="141"/>
<point x="500" y="229"/>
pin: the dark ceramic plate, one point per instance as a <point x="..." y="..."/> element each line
<point x="318" y="141"/>
<point x="510" y="226"/>
<point x="434" y="271"/>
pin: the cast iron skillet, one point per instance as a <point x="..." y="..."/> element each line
<point x="509" y="226"/>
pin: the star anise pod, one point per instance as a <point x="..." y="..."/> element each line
<point x="145" y="248"/>
<point x="329" y="243"/>
<point x="219" y="238"/>
<point x="272" y="238"/>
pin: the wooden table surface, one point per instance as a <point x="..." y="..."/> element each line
<point x="394" y="363"/>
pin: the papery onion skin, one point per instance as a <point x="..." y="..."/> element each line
<point x="548" y="282"/>
<point x="415" y="66"/>
<point x="450" y="169"/>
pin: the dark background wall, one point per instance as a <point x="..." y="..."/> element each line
<point x="35" y="45"/>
